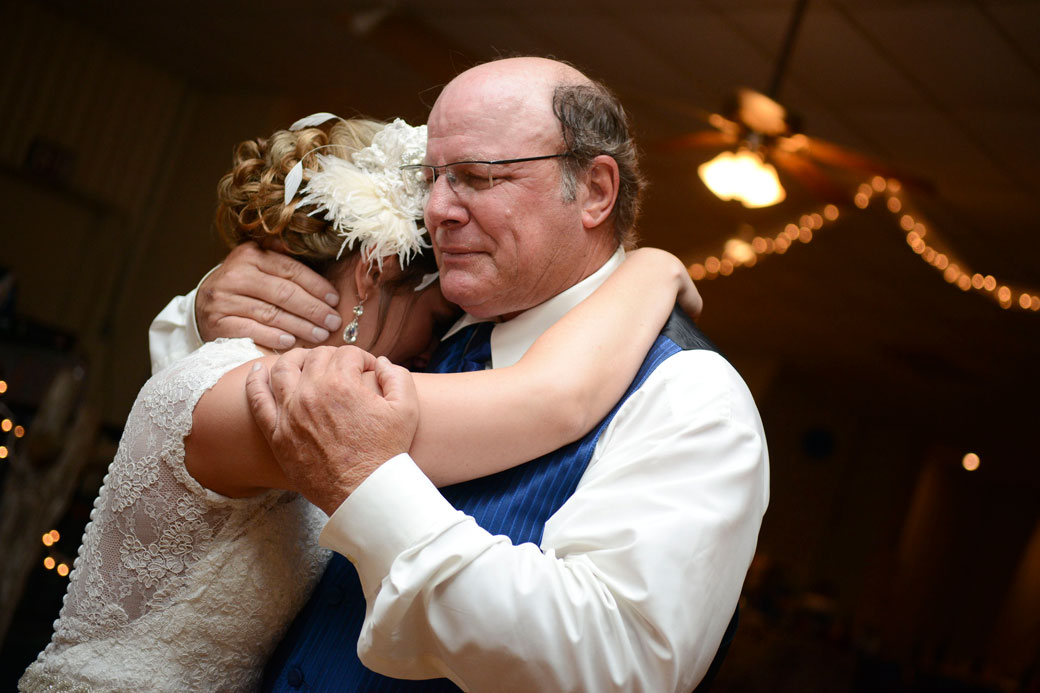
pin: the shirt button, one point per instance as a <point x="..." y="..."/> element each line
<point x="295" y="677"/>
<point x="335" y="596"/>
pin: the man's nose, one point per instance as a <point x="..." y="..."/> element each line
<point x="443" y="206"/>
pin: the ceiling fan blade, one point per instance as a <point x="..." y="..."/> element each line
<point x="839" y="157"/>
<point x="701" y="139"/>
<point x="657" y="101"/>
<point x="809" y="176"/>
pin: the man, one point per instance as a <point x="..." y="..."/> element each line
<point x="612" y="564"/>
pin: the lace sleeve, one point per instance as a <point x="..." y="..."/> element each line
<point x="177" y="587"/>
<point x="151" y="520"/>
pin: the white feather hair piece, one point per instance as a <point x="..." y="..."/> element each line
<point x="366" y="200"/>
<point x="312" y="121"/>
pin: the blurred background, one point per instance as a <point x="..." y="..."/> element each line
<point x="885" y="313"/>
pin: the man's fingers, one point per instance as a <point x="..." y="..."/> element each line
<point x="302" y="275"/>
<point x="295" y="273"/>
<point x="279" y="264"/>
<point x="271" y="316"/>
<point x="262" y="335"/>
<point x="269" y="288"/>
<point x="291" y="298"/>
<point x="261" y="400"/>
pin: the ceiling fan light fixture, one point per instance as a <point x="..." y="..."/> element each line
<point x="743" y="176"/>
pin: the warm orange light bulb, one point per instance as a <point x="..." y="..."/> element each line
<point x="742" y="176"/>
<point x="48" y="563"/>
<point x="970" y="462"/>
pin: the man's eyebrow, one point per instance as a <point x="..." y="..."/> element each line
<point x="478" y="157"/>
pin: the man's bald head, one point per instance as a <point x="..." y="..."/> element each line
<point x="517" y="78"/>
<point x="565" y="102"/>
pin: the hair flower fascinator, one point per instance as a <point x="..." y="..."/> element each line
<point x="365" y="199"/>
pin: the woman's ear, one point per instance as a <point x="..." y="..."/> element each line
<point x="600" y="191"/>
<point x="366" y="278"/>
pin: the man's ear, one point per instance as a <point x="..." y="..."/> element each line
<point x="600" y="191"/>
<point x="366" y="278"/>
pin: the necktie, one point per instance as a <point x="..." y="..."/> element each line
<point x="469" y="349"/>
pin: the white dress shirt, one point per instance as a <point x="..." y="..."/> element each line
<point x="637" y="574"/>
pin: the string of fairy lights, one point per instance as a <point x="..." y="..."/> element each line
<point x="11" y="435"/>
<point x="921" y="237"/>
<point x="10" y="431"/>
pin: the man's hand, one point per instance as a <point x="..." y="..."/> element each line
<point x="267" y="296"/>
<point x="327" y="423"/>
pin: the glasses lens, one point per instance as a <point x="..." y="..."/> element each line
<point x="468" y="176"/>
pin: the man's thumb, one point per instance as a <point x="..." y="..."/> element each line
<point x="261" y="399"/>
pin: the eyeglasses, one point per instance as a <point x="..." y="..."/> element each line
<point x="463" y="177"/>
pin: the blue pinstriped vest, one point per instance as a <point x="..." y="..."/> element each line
<point x="319" y="652"/>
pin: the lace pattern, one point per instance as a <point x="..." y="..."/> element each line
<point x="177" y="587"/>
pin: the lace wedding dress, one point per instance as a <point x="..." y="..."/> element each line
<point x="177" y="588"/>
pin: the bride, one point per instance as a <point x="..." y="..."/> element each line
<point x="198" y="553"/>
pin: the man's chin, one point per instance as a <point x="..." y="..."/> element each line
<point x="463" y="289"/>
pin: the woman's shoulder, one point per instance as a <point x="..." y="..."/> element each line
<point x="200" y="369"/>
<point x="167" y="399"/>
<point x="212" y="355"/>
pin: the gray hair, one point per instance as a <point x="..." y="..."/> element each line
<point x="594" y="123"/>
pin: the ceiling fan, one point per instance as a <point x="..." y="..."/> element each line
<point x="756" y="132"/>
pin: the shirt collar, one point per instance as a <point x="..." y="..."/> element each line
<point x="510" y="340"/>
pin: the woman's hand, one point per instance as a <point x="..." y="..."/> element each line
<point x="669" y="267"/>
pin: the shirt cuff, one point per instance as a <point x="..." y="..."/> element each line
<point x="395" y="508"/>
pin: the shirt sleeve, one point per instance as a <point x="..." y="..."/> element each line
<point x="637" y="575"/>
<point x="174" y="332"/>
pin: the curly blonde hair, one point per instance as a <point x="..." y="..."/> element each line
<point x="251" y="197"/>
<point x="251" y="202"/>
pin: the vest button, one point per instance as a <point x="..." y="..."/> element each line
<point x="335" y="596"/>
<point x="295" y="677"/>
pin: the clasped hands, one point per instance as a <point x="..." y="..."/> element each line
<point x="332" y="416"/>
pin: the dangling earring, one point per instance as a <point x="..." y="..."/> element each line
<point x="351" y="331"/>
